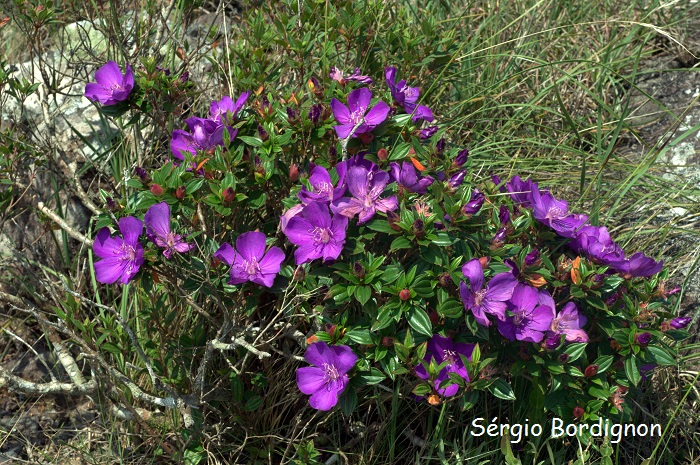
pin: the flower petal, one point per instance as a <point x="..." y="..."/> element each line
<point x="358" y="100"/>
<point x="110" y="270"/>
<point x="131" y="228"/>
<point x="318" y="353"/>
<point x="157" y="219"/>
<point x="105" y="246"/>
<point x="377" y="114"/>
<point x="341" y="113"/>
<point x="109" y="74"/>
<point x="226" y="253"/>
<point x="251" y="245"/>
<point x="325" y="398"/>
<point x="310" y="379"/>
<point x="345" y="358"/>
<point x="473" y="271"/>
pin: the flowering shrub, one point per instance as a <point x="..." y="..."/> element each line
<point x="365" y="230"/>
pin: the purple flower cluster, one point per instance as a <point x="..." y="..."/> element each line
<point x="522" y="312"/>
<point x="205" y="134"/>
<point x="593" y="241"/>
<point x="122" y="257"/>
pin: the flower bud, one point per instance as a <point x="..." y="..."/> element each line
<point x="262" y="133"/>
<point x="326" y="112"/>
<point x="393" y="219"/>
<point x="484" y="262"/>
<point x="499" y="239"/>
<point x="330" y="328"/>
<point x="294" y="172"/>
<point x="359" y="270"/>
<point x="434" y="399"/>
<point x="475" y="203"/>
<point x="590" y="371"/>
<point x="457" y="179"/>
<point x="292" y="115"/>
<point x="404" y="295"/>
<point x="185" y="76"/>
<point x="434" y="317"/>
<point x="156" y="189"/>
<point x="534" y="258"/>
<point x="665" y="326"/>
<point x="578" y="412"/>
<point x="642" y="339"/>
<point x="180" y="192"/>
<point x="537" y="280"/>
<point x="564" y="358"/>
<point x="332" y="153"/>
<point x="388" y="341"/>
<point x="428" y="132"/>
<point x="445" y="280"/>
<point x="382" y="154"/>
<point x="462" y="157"/>
<point x="299" y="274"/>
<point x="504" y="214"/>
<point x="315" y="113"/>
<point x="419" y="228"/>
<point x="440" y="146"/>
<point x="228" y="195"/>
<point x="551" y="343"/>
<point x="315" y="87"/>
<point x="681" y="322"/>
<point x="142" y="174"/>
<point x="112" y="205"/>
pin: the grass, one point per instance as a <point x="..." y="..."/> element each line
<point x="536" y="88"/>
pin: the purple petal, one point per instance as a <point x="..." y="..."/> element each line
<point x="297" y="231"/>
<point x="157" y="220"/>
<point x="317" y="214"/>
<point x="96" y="92"/>
<point x="306" y="253"/>
<point x="226" y="254"/>
<point x="131" y="228"/>
<point x="357" y="181"/>
<point x="251" y="245"/>
<point x="474" y="273"/>
<point x="524" y="297"/>
<point x="345" y="358"/>
<point x="105" y="246"/>
<point x="327" y="397"/>
<point x="359" y="99"/>
<point x="110" y="270"/>
<point x="310" y="379"/>
<point x="318" y="353"/>
<point x="507" y="328"/>
<point x="390" y="75"/>
<point x="501" y="286"/>
<point x="377" y="114"/>
<point x="341" y="114"/>
<point x="109" y="75"/>
<point x="343" y="131"/>
<point x="422" y="113"/>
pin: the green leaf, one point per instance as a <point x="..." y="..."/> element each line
<point x="502" y="390"/>
<point x="374" y="376"/>
<point x="419" y="320"/>
<point x="632" y="370"/>
<point x="254" y="141"/>
<point x="661" y="356"/>
<point x="451" y="308"/>
<point x="575" y="350"/>
<point x="363" y="293"/>
<point x="360" y="335"/>
<point x="400" y="243"/>
<point x="603" y="362"/>
<point x="348" y="401"/>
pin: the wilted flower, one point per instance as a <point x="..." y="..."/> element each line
<point x="356" y="115"/>
<point x="681" y="322"/>
<point x="157" y="221"/>
<point x="443" y="349"/>
<point x="326" y="380"/>
<point x="520" y="190"/>
<point x="121" y="258"/>
<point x="596" y="243"/>
<point x="337" y="75"/>
<point x="428" y="132"/>
<point x="112" y="86"/>
<point x="489" y="300"/>
<point x="316" y="234"/>
<point x="249" y="261"/>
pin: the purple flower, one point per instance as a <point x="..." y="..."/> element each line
<point x="407" y="178"/>
<point x="530" y="318"/>
<point x="322" y="189"/>
<point x="443" y="349"/>
<point x="112" y="86"/>
<point x="504" y="215"/>
<point x="157" y="221"/>
<point x="204" y="135"/>
<point x="681" y="322"/>
<point x="643" y="339"/>
<point x="520" y="190"/>
<point x="288" y="215"/>
<point x="457" y="179"/>
<point x="225" y="111"/>
<point x="315" y="112"/>
<point x="596" y="243"/>
<point x="326" y="380"/>
<point x="121" y="258"/>
<point x="355" y="115"/>
<point x="428" y="132"/>
<point x="489" y="300"/>
<point x="462" y="157"/>
<point x="407" y="96"/>
<point x="475" y="203"/>
<point x="366" y="187"/>
<point x="534" y="258"/>
<point x="249" y="262"/>
<point x="555" y="213"/>
<point x="638" y="265"/>
<point x="316" y="234"/>
<point x="568" y="322"/>
<point x="337" y="75"/>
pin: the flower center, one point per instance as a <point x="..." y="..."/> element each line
<point x="114" y="86"/>
<point x="128" y="252"/>
<point x="251" y="267"/>
<point x="450" y="356"/>
<point x="518" y="319"/>
<point x="323" y="188"/>
<point x="357" y="117"/>
<point x="322" y="235"/>
<point x="409" y="92"/>
<point x="330" y="372"/>
<point x="170" y="240"/>
<point x="556" y="212"/>
<point x="556" y="325"/>
<point x="479" y="296"/>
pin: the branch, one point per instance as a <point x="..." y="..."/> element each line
<point x="62" y="223"/>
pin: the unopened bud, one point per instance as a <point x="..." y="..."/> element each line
<point x="366" y="137"/>
<point x="388" y="341"/>
<point x="484" y="262"/>
<point x="294" y="172"/>
<point x="382" y="154"/>
<point x="404" y="295"/>
<point x="578" y="412"/>
<point x="262" y="133"/>
<point x="180" y="192"/>
<point x="359" y="270"/>
<point x="228" y="195"/>
<point x="393" y="219"/>
<point x="299" y="274"/>
<point x="156" y="189"/>
<point x="591" y="371"/>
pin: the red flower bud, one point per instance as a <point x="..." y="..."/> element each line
<point x="294" y="172"/>
<point x="228" y="195"/>
<point x="366" y="137"/>
<point x="156" y="189"/>
<point x="180" y="192"/>
<point x="404" y="295"/>
<point x="434" y="317"/>
<point x="388" y="341"/>
<point x="382" y="154"/>
<point x="590" y="371"/>
<point x="578" y="412"/>
<point x="484" y="261"/>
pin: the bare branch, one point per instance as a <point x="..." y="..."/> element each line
<point x="62" y="223"/>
